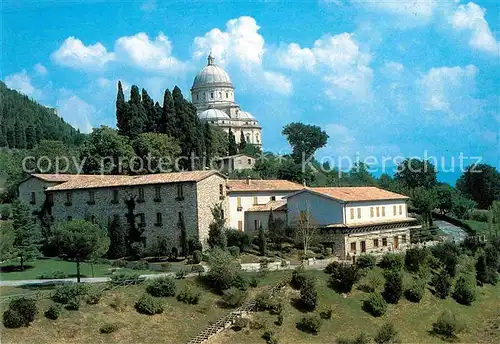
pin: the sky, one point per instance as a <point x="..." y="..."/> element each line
<point x="385" y="79"/>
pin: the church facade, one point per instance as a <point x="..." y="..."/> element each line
<point x="213" y="95"/>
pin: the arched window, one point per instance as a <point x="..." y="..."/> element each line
<point x="248" y="137"/>
<point x="211" y="95"/>
<point x="227" y="95"/>
<point x="220" y="95"/>
<point x="197" y="96"/>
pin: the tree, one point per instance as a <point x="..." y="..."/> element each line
<point x="118" y="238"/>
<point x="209" y="142"/>
<point x="425" y="200"/>
<point x="276" y="230"/>
<point x="243" y="142"/>
<point x="304" y="140"/>
<point x="442" y="284"/>
<point x="20" y="135"/>
<point x="223" y="270"/>
<point x="393" y="288"/>
<point x="217" y="229"/>
<point x="7" y="239"/>
<point x="445" y="195"/>
<point x="168" y="115"/>
<point x="262" y="241"/>
<point x="359" y="175"/>
<point x="416" y="173"/>
<point x="494" y="218"/>
<point x="233" y="148"/>
<point x="150" y="111"/>
<point x="461" y="206"/>
<point x="157" y="151"/>
<point x="122" y="116"/>
<point x="136" y="114"/>
<point x="26" y="235"/>
<point x="306" y="227"/>
<point x="385" y="181"/>
<point x="80" y="240"/>
<point x="481" y="183"/>
<point x="134" y="238"/>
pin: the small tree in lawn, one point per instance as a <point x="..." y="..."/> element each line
<point x="262" y="241"/>
<point x="118" y="238"/>
<point x="217" y="229"/>
<point x="306" y="227"/>
<point x="26" y="235"/>
<point x="276" y="230"/>
<point x="80" y="240"/>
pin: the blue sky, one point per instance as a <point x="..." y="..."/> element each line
<point x="383" y="78"/>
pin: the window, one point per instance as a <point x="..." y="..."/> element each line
<point x="238" y="204"/>
<point x="221" y="191"/>
<point x="197" y="96"/>
<point x="255" y="201"/>
<point x="249" y="161"/>
<point x="220" y="95"/>
<point x="227" y="95"/>
<point x="180" y="217"/>
<point x="180" y="192"/>
<point x="159" y="221"/>
<point x="70" y="218"/>
<point x="91" y="197"/>
<point x="92" y="219"/>
<point x="371" y="211"/>
<point x="50" y="199"/>
<point x="353" y="247"/>
<point x="142" y="220"/>
<point x="400" y="210"/>
<point x="257" y="137"/>
<point x="248" y="138"/>
<point x="359" y="213"/>
<point x="384" y="241"/>
<point x="157" y="194"/>
<point x="383" y="211"/>
<point x="68" y="198"/>
<point x="375" y="243"/>
<point x="33" y="198"/>
<point x="256" y="224"/>
<point x="240" y="226"/>
<point x="115" y="197"/>
<point x="352" y="213"/>
<point x="273" y="198"/>
<point x="394" y="210"/>
<point x="211" y="95"/>
<point x="403" y="238"/>
<point x="378" y="211"/>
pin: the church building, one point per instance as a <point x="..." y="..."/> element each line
<point x="213" y="95"/>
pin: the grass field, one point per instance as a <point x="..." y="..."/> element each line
<point x="481" y="228"/>
<point x="413" y="321"/>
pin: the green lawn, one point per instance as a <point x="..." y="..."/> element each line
<point x="481" y="228"/>
<point x="47" y="266"/>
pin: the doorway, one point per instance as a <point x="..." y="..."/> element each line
<point x="396" y="242"/>
<point x="363" y="246"/>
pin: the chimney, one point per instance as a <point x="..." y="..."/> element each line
<point x="248" y="180"/>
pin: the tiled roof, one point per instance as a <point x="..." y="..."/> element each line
<point x="363" y="193"/>
<point x="101" y="181"/>
<point x="372" y="223"/>
<point x="53" y="177"/>
<point x="262" y="185"/>
<point x="271" y="205"/>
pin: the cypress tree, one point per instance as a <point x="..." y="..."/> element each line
<point x="157" y="118"/>
<point x="118" y="238"/>
<point x="207" y="133"/>
<point x="25" y="233"/>
<point x="243" y="142"/>
<point x="3" y="133"/>
<point x="168" y="115"/>
<point x="232" y="149"/>
<point x="11" y="138"/>
<point x="121" y="112"/>
<point x="30" y="137"/>
<point x="149" y="110"/>
<point x="137" y="116"/>
<point x="262" y="241"/>
<point x="20" y="135"/>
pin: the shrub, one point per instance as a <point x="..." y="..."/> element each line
<point x="161" y="287"/>
<point x="53" y="311"/>
<point x="447" y="253"/>
<point x="174" y="253"/>
<point x="53" y="275"/>
<point x="276" y="306"/>
<point x="393" y="288"/>
<point x="118" y="303"/>
<point x="442" y="284"/>
<point x="149" y="305"/>
<point x="484" y="272"/>
<point x="267" y="335"/>
<point x="310" y="323"/>
<point x="366" y="261"/>
<point x="26" y="308"/>
<point x="240" y="282"/>
<point x="234" y="250"/>
<point x="298" y="277"/>
<point x="12" y="319"/>
<point x="198" y="269"/>
<point x="223" y="270"/>
<point x="464" y="292"/>
<point x="344" y="277"/>
<point x="119" y="263"/>
<point x="372" y="282"/>
<point x="66" y="292"/>
<point x="237" y="238"/>
<point x="387" y="334"/>
<point x="109" y="328"/>
<point x="126" y="278"/>
<point x="375" y="304"/>
<point x="392" y="261"/>
<point x="74" y="303"/>
<point x="326" y="314"/>
<point x="138" y="265"/>
<point x="447" y="325"/>
<point x="309" y="296"/>
<point x="328" y="251"/>
<point x="280" y="319"/>
<point x="197" y="257"/>
<point x="415" y="258"/>
<point x="254" y="282"/>
<point x="94" y="297"/>
<point x="181" y="274"/>
<point x="240" y="323"/>
<point x="4" y="211"/>
<point x="233" y="297"/>
<point x="258" y="323"/>
<point x="363" y="338"/>
<point x="263" y="301"/>
<point x="331" y="268"/>
<point x="416" y="291"/>
<point x="189" y="294"/>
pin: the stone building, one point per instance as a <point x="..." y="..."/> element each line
<point x="354" y="220"/>
<point x="236" y="162"/>
<point x="213" y="95"/>
<point x="163" y="203"/>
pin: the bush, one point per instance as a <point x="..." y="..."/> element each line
<point x="442" y="284"/>
<point x="237" y="238"/>
<point x="363" y="338"/>
<point x="181" y="274"/>
<point x="197" y="257"/>
<point x="149" y="305"/>
<point x="375" y="304"/>
<point x="280" y="319"/>
<point x="331" y="268"/>
<point x="263" y="301"/>
<point x="26" y="308"/>
<point x="372" y="282"/>
<point x="309" y="296"/>
<point x="119" y="263"/>
<point x="310" y="323"/>
<point x="94" y="297"/>
<point x="109" y="328"/>
<point x="276" y="306"/>
<point x="298" y="277"/>
<point x="198" y="269"/>
<point x="53" y="311"/>
<point x="254" y="282"/>
<point x="326" y="314"/>
<point x="74" y="303"/>
<point x="161" y="287"/>
<point x="484" y="272"/>
<point x="233" y="297"/>
<point x="387" y="334"/>
<point x="234" y="250"/>
<point x="118" y="303"/>
<point x="138" y="265"/>
<point x="53" y="275"/>
<point x="416" y="291"/>
<point x="344" y="277"/>
<point x="240" y="323"/>
<point x="415" y="258"/>
<point x="126" y="278"/>
<point x="12" y="319"/>
<point x="240" y="282"/>
<point x="464" y="292"/>
<point x="223" y="270"/>
<point x="258" y="323"/>
<point x="67" y="292"/>
<point x="447" y="325"/>
<point x="189" y="294"/>
<point x="393" y="288"/>
<point x="392" y="261"/>
<point x="366" y="261"/>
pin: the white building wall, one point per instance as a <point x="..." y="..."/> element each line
<point x="387" y="210"/>
<point x="324" y="211"/>
<point x="262" y="218"/>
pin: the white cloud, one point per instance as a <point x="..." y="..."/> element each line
<point x="40" y="69"/>
<point x="295" y="57"/>
<point x="22" y="82"/>
<point x="470" y="20"/>
<point x="155" y="55"/>
<point x="76" y="112"/>
<point x="450" y="90"/>
<point x="239" y="43"/>
<point x="393" y="68"/>
<point x="340" y="141"/>
<point x="73" y="53"/>
<point x="280" y="83"/>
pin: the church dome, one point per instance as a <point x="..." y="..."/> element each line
<point x="245" y="115"/>
<point x="212" y="114"/>
<point x="211" y="75"/>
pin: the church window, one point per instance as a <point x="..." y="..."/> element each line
<point x="211" y="95"/>
<point x="248" y="137"/>
<point x="227" y="95"/>
<point x="220" y="95"/>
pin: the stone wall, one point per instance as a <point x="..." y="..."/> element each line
<point x="37" y="186"/>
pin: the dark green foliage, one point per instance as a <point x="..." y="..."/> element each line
<point x="149" y="305"/>
<point x="447" y="325"/>
<point x="237" y="238"/>
<point x="118" y="238"/>
<point x="481" y="183"/>
<point x="447" y="253"/>
<point x="344" y="277"/>
<point x="254" y="282"/>
<point x="263" y="301"/>
<point x="262" y="241"/>
<point x="217" y="228"/>
<point x="464" y="292"/>
<point x="310" y="323"/>
<point x="304" y="139"/>
<point x="26" y="235"/>
<point x="21" y="312"/>
<point x="12" y="319"/>
<point x="309" y="296"/>
<point x="181" y="274"/>
<point x="197" y="257"/>
<point x="126" y="278"/>
<point x="298" y="278"/>
<point x="73" y="304"/>
<point x="234" y="250"/>
<point x="366" y="261"/>
<point x="375" y="304"/>
<point x="416" y="291"/>
<point x="189" y="294"/>
<point x="280" y="319"/>
<point x="66" y="292"/>
<point x="415" y="173"/>
<point x="53" y="312"/>
<point x="232" y="148"/>
<point x="415" y="258"/>
<point x="223" y="270"/>
<point x="109" y="328"/>
<point x="276" y="230"/>
<point x="162" y="287"/>
<point x="362" y="338"/>
<point x="484" y="272"/>
<point x="331" y="268"/>
<point x="240" y="282"/>
<point x="442" y="284"/>
<point x="94" y="297"/>
<point x="392" y="261"/>
<point x="393" y="288"/>
<point x="326" y="314"/>
<point x="240" y="323"/>
<point x="387" y="334"/>
<point x="233" y="297"/>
